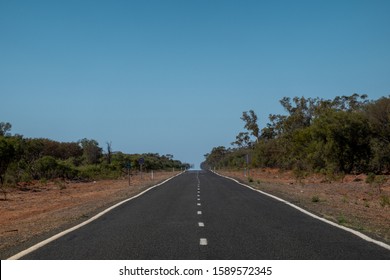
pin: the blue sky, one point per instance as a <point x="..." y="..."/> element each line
<point x="175" y="76"/>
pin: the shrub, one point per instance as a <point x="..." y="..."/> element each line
<point x="315" y="199"/>
<point x="341" y="220"/>
<point x="376" y="181"/>
<point x="384" y="200"/>
<point x="89" y="172"/>
<point x="48" y="167"/>
<point x="370" y="178"/>
<point x="45" y="167"/>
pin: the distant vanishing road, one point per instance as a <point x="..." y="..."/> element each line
<point x="200" y="215"/>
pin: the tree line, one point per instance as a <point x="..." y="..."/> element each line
<point x="27" y="159"/>
<point x="344" y="135"/>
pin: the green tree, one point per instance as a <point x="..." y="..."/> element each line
<point x="344" y="140"/>
<point x="7" y="153"/>
<point x="5" y="127"/>
<point x="60" y="150"/>
<point x="250" y="119"/>
<point x="352" y="103"/>
<point x="91" y="151"/>
<point x="378" y="114"/>
<point x="215" y="157"/>
<point x="45" y="167"/>
<point x="242" y="140"/>
<point x="109" y="152"/>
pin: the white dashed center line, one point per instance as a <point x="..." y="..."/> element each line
<point x="203" y="241"/>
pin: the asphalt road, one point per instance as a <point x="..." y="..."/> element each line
<point x="199" y="215"/>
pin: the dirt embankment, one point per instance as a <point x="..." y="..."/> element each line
<point x="32" y="212"/>
<point x="350" y="202"/>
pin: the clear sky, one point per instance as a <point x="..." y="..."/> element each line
<point x="174" y="76"/>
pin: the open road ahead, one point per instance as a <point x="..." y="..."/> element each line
<point x="200" y="215"/>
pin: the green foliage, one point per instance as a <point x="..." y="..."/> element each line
<point x="90" y="172"/>
<point x="384" y="200"/>
<point x="250" y="119"/>
<point x="342" y="220"/>
<point x="48" y="167"/>
<point x="220" y="157"/>
<point x="27" y="159"/>
<point x="315" y="199"/>
<point x="370" y="179"/>
<point x="348" y="134"/>
<point x="5" y="127"/>
<point x="7" y="154"/>
<point x="376" y="181"/>
<point x="242" y="140"/>
<point x="45" y="167"/>
<point x="299" y="174"/>
<point x="91" y="151"/>
<point x="345" y="140"/>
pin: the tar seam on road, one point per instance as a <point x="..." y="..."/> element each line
<point x="357" y="233"/>
<point x="58" y="235"/>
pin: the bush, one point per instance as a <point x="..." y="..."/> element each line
<point x="66" y="170"/>
<point x="48" y="167"/>
<point x="385" y="200"/>
<point x="89" y="172"/>
<point x="370" y="178"/>
<point x="376" y="181"/>
<point x="44" y="167"/>
<point x="315" y="199"/>
<point x="99" y="171"/>
<point x="342" y="220"/>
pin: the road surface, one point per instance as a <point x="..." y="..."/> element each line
<point x="200" y="215"/>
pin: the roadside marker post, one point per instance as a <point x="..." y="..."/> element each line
<point x="246" y="169"/>
<point x="141" y="162"/>
<point x="128" y="167"/>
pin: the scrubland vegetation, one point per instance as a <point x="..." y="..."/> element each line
<point x="346" y="135"/>
<point x="30" y="159"/>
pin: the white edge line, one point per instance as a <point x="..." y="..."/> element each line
<point x="355" y="232"/>
<point x="58" y="235"/>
